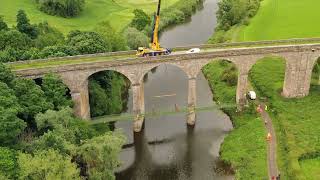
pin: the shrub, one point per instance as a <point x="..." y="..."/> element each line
<point x="140" y="20"/>
<point x="64" y="8"/>
<point x="136" y="38"/>
<point x="88" y="42"/>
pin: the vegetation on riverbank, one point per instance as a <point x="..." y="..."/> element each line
<point x="245" y="147"/>
<point x="297" y="121"/>
<point x="39" y="133"/>
<point x="231" y="15"/>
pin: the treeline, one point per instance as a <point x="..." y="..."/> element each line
<point x="233" y="13"/>
<point x="41" y="139"/>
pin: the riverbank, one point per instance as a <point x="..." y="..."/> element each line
<point x="245" y="148"/>
<point x="297" y="121"/>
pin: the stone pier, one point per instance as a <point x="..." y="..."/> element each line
<point x="138" y="106"/>
<point x="298" y="74"/>
<point x="192" y="98"/>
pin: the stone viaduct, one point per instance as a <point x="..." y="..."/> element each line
<point x="300" y="60"/>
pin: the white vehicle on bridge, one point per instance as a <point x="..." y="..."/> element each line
<point x="193" y="50"/>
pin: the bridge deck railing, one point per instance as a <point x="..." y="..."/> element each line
<point x="183" y="48"/>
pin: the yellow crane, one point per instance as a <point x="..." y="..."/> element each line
<point x="154" y="48"/>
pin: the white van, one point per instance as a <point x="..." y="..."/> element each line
<point x="252" y="95"/>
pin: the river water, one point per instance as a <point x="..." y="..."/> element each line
<point x="167" y="149"/>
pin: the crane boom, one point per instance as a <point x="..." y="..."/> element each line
<point x="154" y="47"/>
<point x="155" y="40"/>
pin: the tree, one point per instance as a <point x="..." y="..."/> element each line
<point x="100" y="155"/>
<point x="64" y="8"/>
<point x="10" y="125"/>
<point x="24" y="26"/>
<point x="53" y="140"/>
<point x="14" y="39"/>
<point x="117" y="41"/>
<point x="136" y="38"/>
<point x="48" y="165"/>
<point x="55" y="91"/>
<point x="65" y="124"/>
<point x="8" y="163"/>
<point x="31" y="98"/>
<point x="3" y="25"/>
<point x="140" y="20"/>
<point x="6" y="75"/>
<point x="48" y="36"/>
<point x="88" y="42"/>
<point x="58" y="51"/>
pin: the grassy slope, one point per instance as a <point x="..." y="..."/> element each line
<point x="283" y="19"/>
<point x="297" y="121"/>
<point x="117" y="12"/>
<point x="245" y="146"/>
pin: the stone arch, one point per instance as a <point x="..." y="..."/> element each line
<point x="315" y="75"/>
<point x="118" y="70"/>
<point x="148" y="68"/>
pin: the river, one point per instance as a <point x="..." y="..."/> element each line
<point x="167" y="149"/>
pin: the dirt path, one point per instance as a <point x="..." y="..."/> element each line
<point x="272" y="145"/>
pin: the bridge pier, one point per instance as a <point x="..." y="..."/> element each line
<point x="80" y="98"/>
<point x="241" y="88"/>
<point x="192" y="98"/>
<point x="138" y="106"/>
<point x="298" y="75"/>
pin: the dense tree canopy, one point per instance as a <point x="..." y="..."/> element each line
<point x="47" y="165"/>
<point x="3" y="25"/>
<point x="140" y="20"/>
<point x="24" y="26"/>
<point x="64" y="8"/>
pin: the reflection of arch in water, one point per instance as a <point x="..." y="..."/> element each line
<point x="144" y="166"/>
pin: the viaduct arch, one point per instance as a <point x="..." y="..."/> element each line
<point x="300" y="60"/>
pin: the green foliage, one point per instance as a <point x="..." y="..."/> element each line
<point x="106" y="91"/>
<point x="6" y="75"/>
<point x="58" y="51"/>
<point x="24" y="26"/>
<point x="3" y="25"/>
<point x="10" y="125"/>
<point x="136" y="38"/>
<point x="244" y="148"/>
<point x="230" y="75"/>
<point x="140" y="20"/>
<point x="55" y="91"/>
<point x="47" y="165"/>
<point x="48" y="36"/>
<point x="8" y="163"/>
<point x="100" y="155"/>
<point x="64" y="8"/>
<point x="65" y="124"/>
<point x="232" y="12"/>
<point x="117" y="41"/>
<point x="88" y="42"/>
<point x="31" y="98"/>
<point x="53" y="140"/>
<point x="14" y="39"/>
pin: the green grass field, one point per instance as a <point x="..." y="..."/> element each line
<point x="117" y="12"/>
<point x="297" y="121"/>
<point x="283" y="19"/>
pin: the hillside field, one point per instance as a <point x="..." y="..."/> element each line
<point x="117" y="12"/>
<point x="283" y="19"/>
